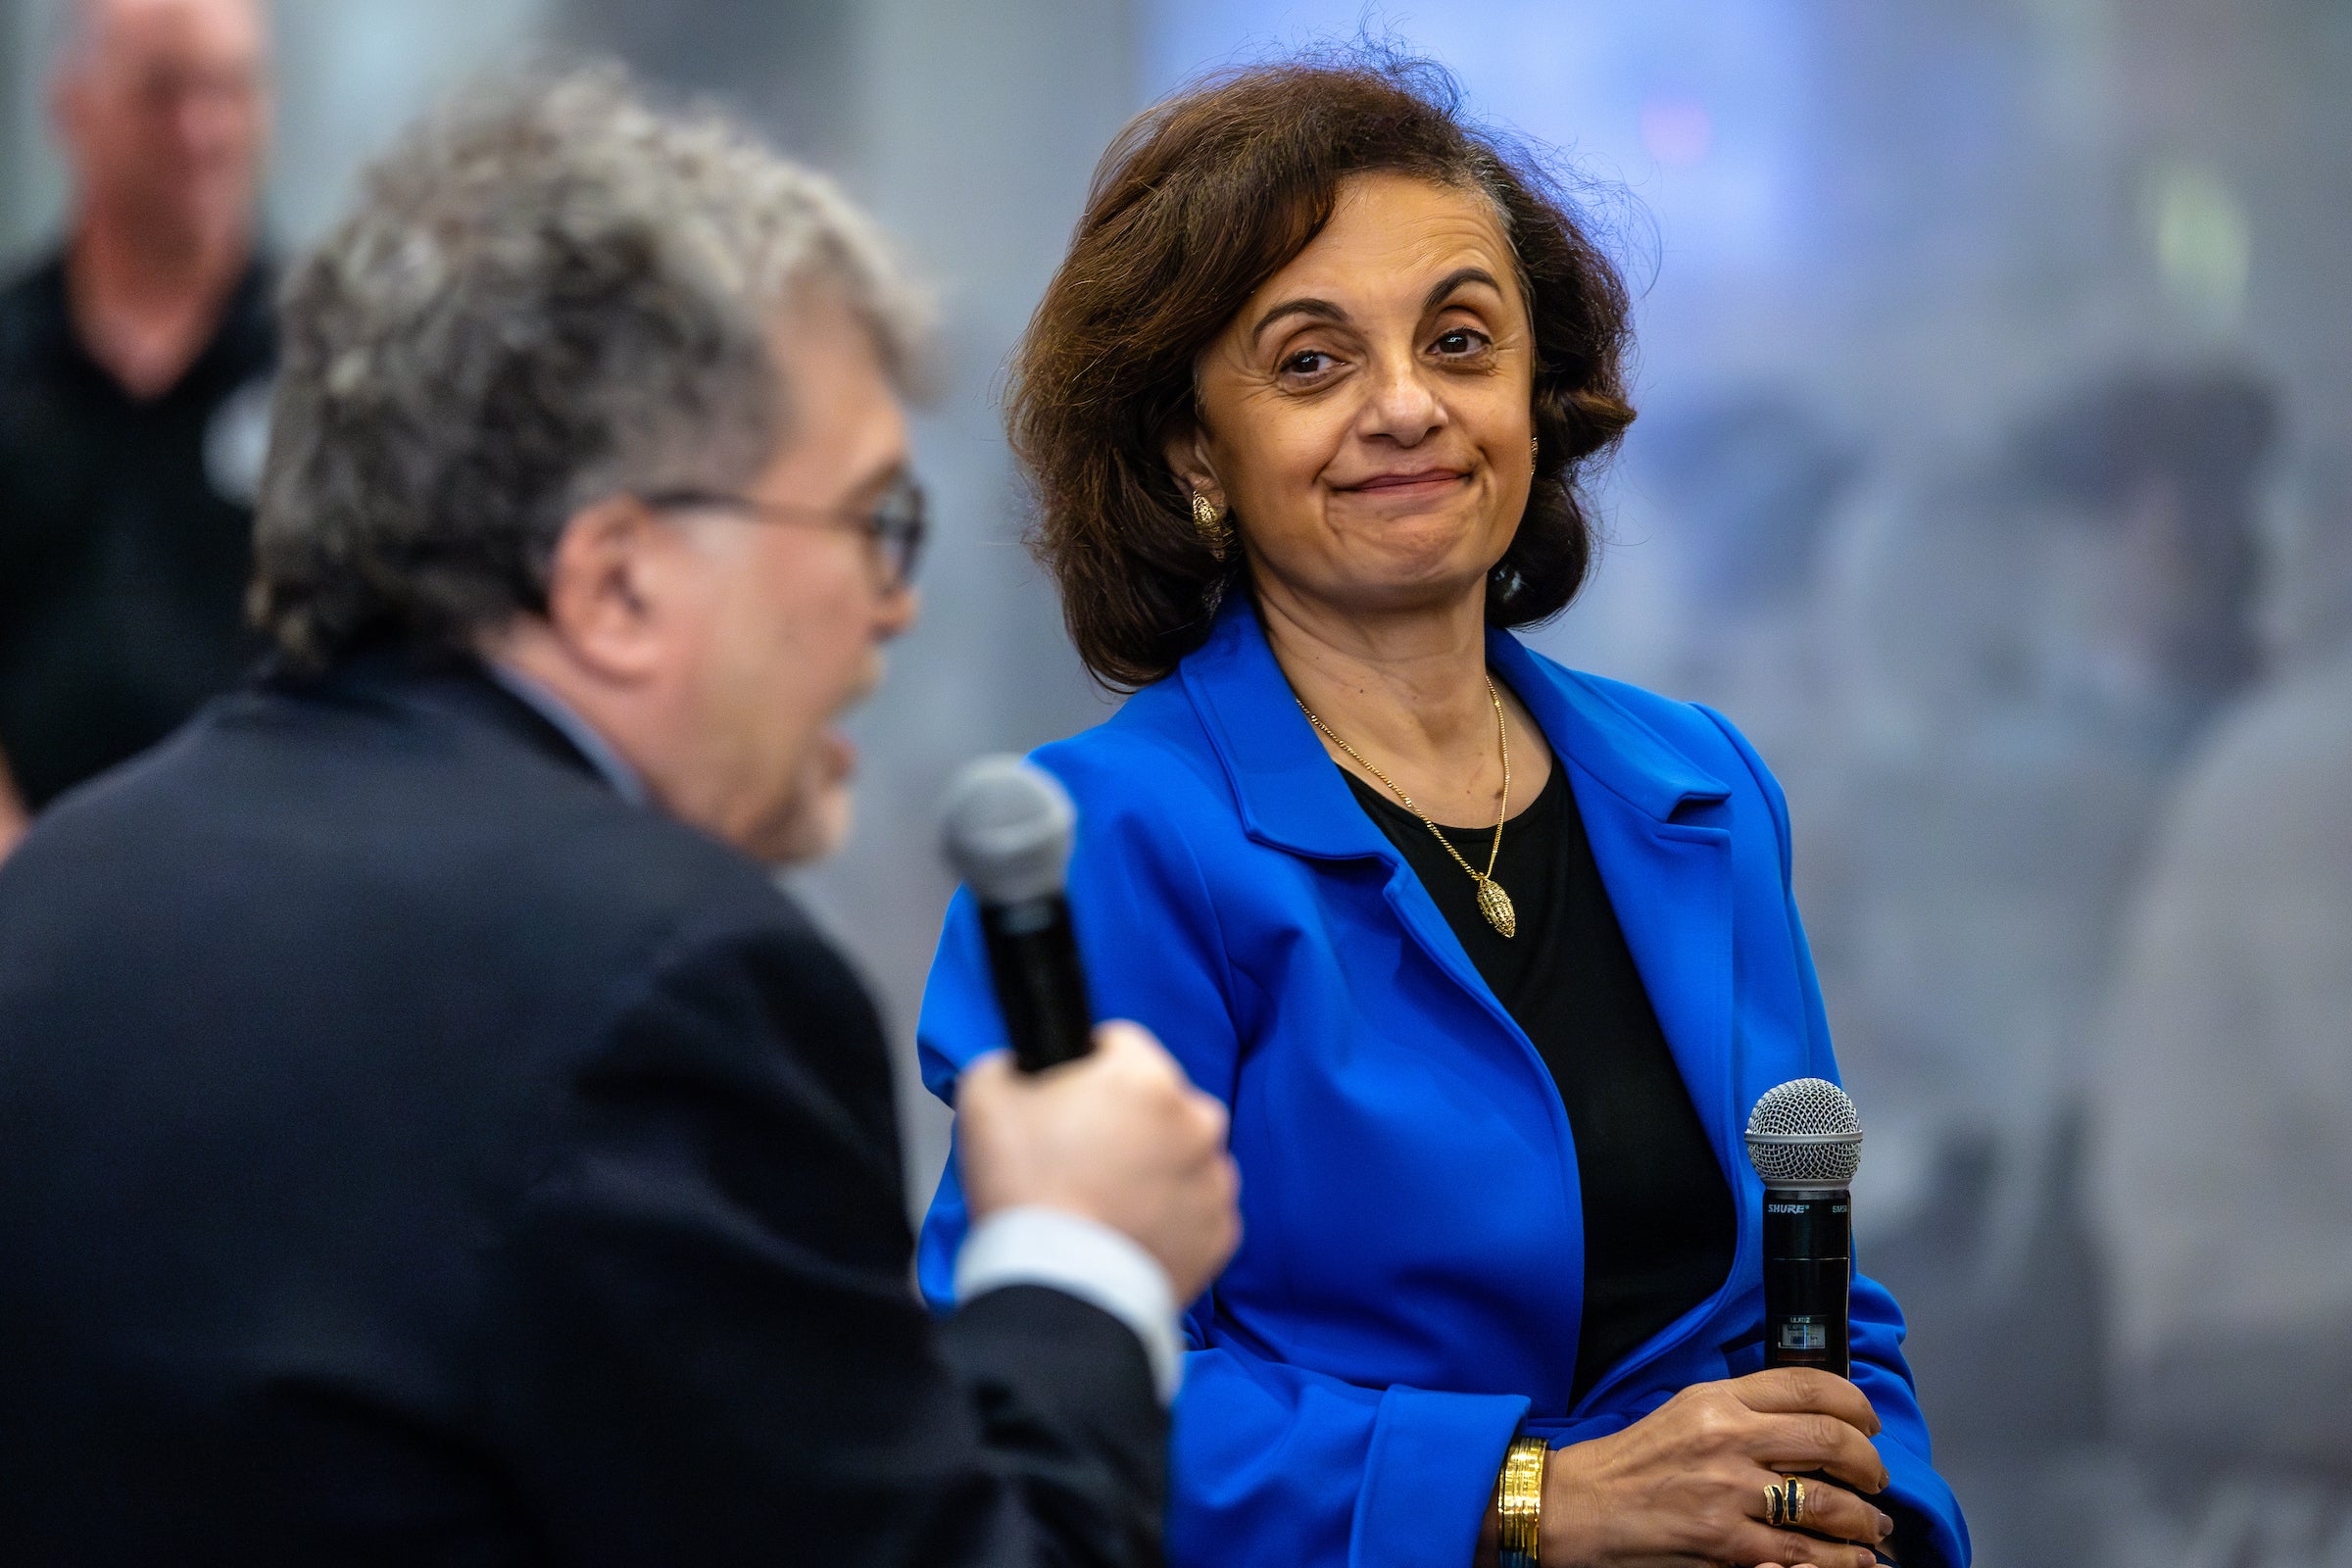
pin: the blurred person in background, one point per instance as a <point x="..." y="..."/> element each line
<point x="1749" y="483"/>
<point x="133" y="396"/>
<point x="1310" y="406"/>
<point x="2039" y="633"/>
<point x="2156" y="470"/>
<point x="2222" y="1144"/>
<point x="1748" y="487"/>
<point x="433" y="1138"/>
<point x="2047" y="632"/>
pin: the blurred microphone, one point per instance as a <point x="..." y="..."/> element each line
<point x="1008" y="831"/>
<point x="1805" y="1141"/>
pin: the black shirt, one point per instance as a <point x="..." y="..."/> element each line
<point x="1658" y="1226"/>
<point x="125" y="535"/>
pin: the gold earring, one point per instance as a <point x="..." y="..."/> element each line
<point x="1208" y="521"/>
<point x="1535" y="447"/>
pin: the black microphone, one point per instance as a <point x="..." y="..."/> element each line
<point x="1805" y="1141"/>
<point x="1008" y="831"/>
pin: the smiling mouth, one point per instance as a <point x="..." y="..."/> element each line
<point x="1428" y="480"/>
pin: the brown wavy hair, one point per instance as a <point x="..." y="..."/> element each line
<point x="1195" y="204"/>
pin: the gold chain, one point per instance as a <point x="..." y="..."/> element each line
<point x="1494" y="903"/>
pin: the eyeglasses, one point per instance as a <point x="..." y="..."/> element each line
<point x="896" y="523"/>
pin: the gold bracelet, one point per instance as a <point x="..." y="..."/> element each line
<point x="1519" y="1502"/>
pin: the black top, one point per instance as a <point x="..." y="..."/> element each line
<point x="1659" y="1229"/>
<point x="415" y="1154"/>
<point x="125" y="535"/>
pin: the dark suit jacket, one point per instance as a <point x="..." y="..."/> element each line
<point x="410" y="1152"/>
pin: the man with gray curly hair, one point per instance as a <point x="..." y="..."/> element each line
<point x="433" y="1138"/>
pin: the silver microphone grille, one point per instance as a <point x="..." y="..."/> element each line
<point x="1009" y="824"/>
<point x="1805" y="1134"/>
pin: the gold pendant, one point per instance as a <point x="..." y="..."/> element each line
<point x="1495" y="906"/>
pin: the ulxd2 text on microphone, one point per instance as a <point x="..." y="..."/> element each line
<point x="1805" y="1141"/>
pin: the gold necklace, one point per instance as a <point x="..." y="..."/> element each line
<point x="1493" y="901"/>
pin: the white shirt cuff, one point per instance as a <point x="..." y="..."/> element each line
<point x="1082" y="1257"/>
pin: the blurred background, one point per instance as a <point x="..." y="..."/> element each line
<point x="1994" y="473"/>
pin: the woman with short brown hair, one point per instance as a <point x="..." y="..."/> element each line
<point x="1308" y="410"/>
<point x="1195" y="205"/>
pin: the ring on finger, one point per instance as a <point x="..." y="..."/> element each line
<point x="1796" y="1500"/>
<point x="1776" y="1504"/>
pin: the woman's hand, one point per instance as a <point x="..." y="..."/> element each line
<point x="1685" y="1485"/>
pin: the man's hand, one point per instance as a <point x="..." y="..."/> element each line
<point x="1119" y="1137"/>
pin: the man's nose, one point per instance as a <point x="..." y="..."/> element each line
<point x="210" y="118"/>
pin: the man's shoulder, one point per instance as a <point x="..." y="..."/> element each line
<point x="484" y="857"/>
<point x="2266" y="793"/>
<point x="347" y="929"/>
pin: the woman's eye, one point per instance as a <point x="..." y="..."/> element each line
<point x="1307" y="362"/>
<point x="1461" y="340"/>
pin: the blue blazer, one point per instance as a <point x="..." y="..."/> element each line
<point x="1407" y="1290"/>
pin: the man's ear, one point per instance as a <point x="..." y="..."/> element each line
<point x="1187" y="452"/>
<point x="611" y="586"/>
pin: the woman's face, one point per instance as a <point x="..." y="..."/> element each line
<point x="1368" y="414"/>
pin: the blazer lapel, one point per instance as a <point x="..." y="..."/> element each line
<point x="1292" y="796"/>
<point x="1650" y="812"/>
<point x="1655" y="822"/>
<point x="1655" y="818"/>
